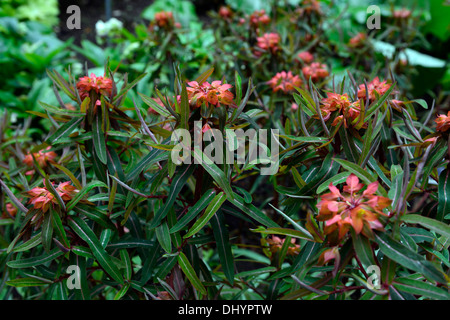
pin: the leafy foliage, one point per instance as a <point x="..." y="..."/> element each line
<point x="358" y="208"/>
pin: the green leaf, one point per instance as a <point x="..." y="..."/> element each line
<point x="47" y="231"/>
<point x="417" y="287"/>
<point x="35" y="261"/>
<point x="238" y="86"/>
<point x="69" y="173"/>
<point x="13" y="198"/>
<point x="238" y="111"/>
<point x="212" y="208"/>
<point x="79" y="196"/>
<point x="190" y="273"/>
<point x="154" y="105"/>
<point x="305" y="139"/>
<point x="357" y="170"/>
<point x="407" y="258"/>
<point x="28" y="282"/>
<point x="94" y="214"/>
<point x="363" y="249"/>
<point x="252" y="211"/>
<point x="149" y="159"/>
<point x="99" y="139"/>
<point x="379" y="102"/>
<point x="125" y="257"/>
<point x="204" y="76"/>
<point x="285" y="232"/>
<point x="223" y="245"/>
<point x="337" y="179"/>
<point x="31" y="243"/>
<point x="444" y="194"/>
<point x="163" y="236"/>
<point x="84" y="232"/>
<point x="131" y="243"/>
<point x="194" y="210"/>
<point x="429" y="223"/>
<point x="218" y="175"/>
<point x="255" y="272"/>
<point x="123" y="290"/>
<point x="184" y="108"/>
<point x="64" y="130"/>
<point x="177" y="184"/>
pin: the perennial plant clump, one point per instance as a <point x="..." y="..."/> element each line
<point x="147" y="170"/>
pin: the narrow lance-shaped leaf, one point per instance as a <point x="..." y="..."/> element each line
<point x="443" y="195"/>
<point x="154" y="105"/>
<point x="212" y="208"/>
<point x="429" y="223"/>
<point x="35" y="261"/>
<point x="31" y="243"/>
<point x="194" y="210"/>
<point x="218" y="175"/>
<point x="204" y="76"/>
<point x="223" y="245"/>
<point x="13" y="198"/>
<point x="417" y="287"/>
<point x="252" y="211"/>
<point x="84" y="232"/>
<point x="79" y="196"/>
<point x="407" y="258"/>
<point x="163" y="236"/>
<point x="64" y="130"/>
<point x="190" y="273"/>
<point x="27" y="282"/>
<point x="99" y="139"/>
<point x="184" y="108"/>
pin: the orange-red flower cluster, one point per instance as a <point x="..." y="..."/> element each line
<point x="334" y="102"/>
<point x="375" y="86"/>
<point x="358" y="40"/>
<point x="216" y="94"/>
<point x="259" y="18"/>
<point x="43" y="157"/>
<point x="225" y="12"/>
<point x="275" y="243"/>
<point x="284" y="81"/>
<point x="352" y="208"/>
<point x="443" y="122"/>
<point x="101" y="85"/>
<point x="316" y="71"/>
<point x="308" y="7"/>
<point x="306" y="57"/>
<point x="268" y="42"/>
<point x="401" y="14"/>
<point x="164" y="19"/>
<point x="41" y="198"/>
<point x="11" y="211"/>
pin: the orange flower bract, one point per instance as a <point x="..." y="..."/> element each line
<point x="352" y="208"/>
<point x="316" y="71"/>
<point x="375" y="86"/>
<point x="101" y="85"/>
<point x="275" y="243"/>
<point x="284" y="81"/>
<point x="443" y="122"/>
<point x="267" y="42"/>
<point x="41" y="198"/>
<point x="42" y="157"/>
<point x="216" y="94"/>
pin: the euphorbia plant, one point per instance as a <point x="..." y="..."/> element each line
<point x="362" y="184"/>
